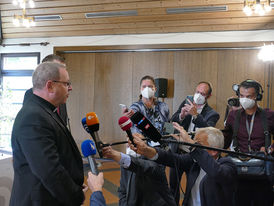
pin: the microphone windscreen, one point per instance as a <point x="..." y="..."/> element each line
<point x="84" y="123"/>
<point x="92" y="121"/>
<point x="125" y="123"/>
<point x="146" y="126"/>
<point x="88" y="148"/>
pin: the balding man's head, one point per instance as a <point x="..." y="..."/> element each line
<point x="44" y="72"/>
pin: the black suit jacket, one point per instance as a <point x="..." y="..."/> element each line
<point x="218" y="185"/>
<point x="208" y="117"/>
<point x="62" y="108"/>
<point x="48" y="167"/>
<point x="144" y="183"/>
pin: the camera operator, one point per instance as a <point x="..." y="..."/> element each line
<point x="247" y="126"/>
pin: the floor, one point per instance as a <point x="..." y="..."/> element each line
<point x="111" y="182"/>
<point x="111" y="172"/>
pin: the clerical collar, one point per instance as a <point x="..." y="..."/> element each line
<point x="46" y="103"/>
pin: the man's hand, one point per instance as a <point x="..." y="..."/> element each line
<point x="85" y="188"/>
<point x="191" y="108"/>
<point x="95" y="183"/>
<point x="127" y="112"/>
<point x="108" y="152"/>
<point x="183" y="134"/>
<point x="183" y="112"/>
<point x="141" y="147"/>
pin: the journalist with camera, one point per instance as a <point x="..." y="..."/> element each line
<point x="249" y="129"/>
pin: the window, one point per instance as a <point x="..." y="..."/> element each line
<point x="16" y="72"/>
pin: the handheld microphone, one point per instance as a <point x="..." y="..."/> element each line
<point x="93" y="127"/>
<point x="145" y="125"/>
<point x="125" y="124"/>
<point x="88" y="150"/>
<point x="84" y="123"/>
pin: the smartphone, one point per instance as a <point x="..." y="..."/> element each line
<point x="189" y="97"/>
<point x="123" y="107"/>
<point x="168" y="128"/>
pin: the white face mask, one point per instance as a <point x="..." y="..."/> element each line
<point x="247" y="103"/>
<point x="198" y="98"/>
<point x="147" y="92"/>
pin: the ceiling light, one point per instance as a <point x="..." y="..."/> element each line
<point x="257" y="6"/>
<point x="23" y="3"/>
<point x="266" y="53"/>
<point x="23" y="19"/>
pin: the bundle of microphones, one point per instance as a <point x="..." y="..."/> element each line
<point x="91" y="125"/>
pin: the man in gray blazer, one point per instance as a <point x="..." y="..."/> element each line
<point x="48" y="167"/>
<point x="194" y="112"/>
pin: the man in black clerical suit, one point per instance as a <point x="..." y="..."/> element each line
<point x="48" y="167"/>
<point x="62" y="109"/>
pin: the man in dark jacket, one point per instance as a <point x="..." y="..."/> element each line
<point x="193" y="113"/>
<point x="210" y="179"/>
<point x="143" y="182"/>
<point x="48" y="167"/>
<point x="62" y="109"/>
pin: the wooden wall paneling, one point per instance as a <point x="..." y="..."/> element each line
<point x="157" y="65"/>
<point x="268" y="82"/>
<point x="235" y="66"/>
<point x="103" y="80"/>
<point x="271" y="96"/>
<point x="81" y="68"/>
<point x="113" y="85"/>
<point x="191" y="67"/>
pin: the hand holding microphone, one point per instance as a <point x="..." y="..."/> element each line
<point x="89" y="150"/>
<point x="141" y="147"/>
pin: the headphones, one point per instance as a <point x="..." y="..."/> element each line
<point x="249" y="83"/>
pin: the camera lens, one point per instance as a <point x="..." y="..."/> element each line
<point x="233" y="102"/>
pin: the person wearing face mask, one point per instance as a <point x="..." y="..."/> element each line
<point x="134" y="183"/>
<point x="194" y="112"/>
<point x="155" y="111"/>
<point x="249" y="138"/>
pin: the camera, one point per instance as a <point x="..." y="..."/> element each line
<point x="233" y="102"/>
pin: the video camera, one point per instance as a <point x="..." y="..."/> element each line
<point x="234" y="101"/>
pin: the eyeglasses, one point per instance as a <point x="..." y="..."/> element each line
<point x="68" y="84"/>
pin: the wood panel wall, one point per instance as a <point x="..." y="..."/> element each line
<point x="103" y="80"/>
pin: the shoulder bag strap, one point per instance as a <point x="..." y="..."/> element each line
<point x="265" y="126"/>
<point x="236" y="128"/>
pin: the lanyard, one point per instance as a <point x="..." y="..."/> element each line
<point x="249" y="130"/>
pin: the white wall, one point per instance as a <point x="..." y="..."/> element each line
<point x="172" y="38"/>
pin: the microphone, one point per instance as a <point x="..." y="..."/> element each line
<point x="142" y="123"/>
<point x="125" y="124"/>
<point x="93" y="127"/>
<point x="84" y="123"/>
<point x="88" y="150"/>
